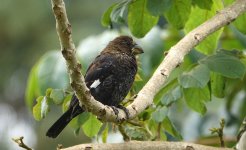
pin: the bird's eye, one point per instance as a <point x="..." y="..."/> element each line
<point x="126" y="43"/>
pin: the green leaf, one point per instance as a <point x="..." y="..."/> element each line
<point x="136" y="133"/>
<point x="203" y="4"/>
<point x="240" y="23"/>
<point x="57" y="96"/>
<point x="226" y="65"/>
<point x="163" y="136"/>
<point x="92" y="126"/>
<point x="139" y="20"/>
<point x="41" y="109"/>
<point x="105" y="134"/>
<point x="172" y="96"/>
<point x="51" y="72"/>
<point x="197" y="77"/>
<point x="138" y="77"/>
<point x="170" y="128"/>
<point x="117" y="14"/>
<point x="179" y="13"/>
<point x="157" y="7"/>
<point x="217" y="85"/>
<point x="195" y="98"/>
<point x="196" y="18"/>
<point x="66" y="102"/>
<point x="160" y="114"/>
<point x="82" y="118"/>
<point x="32" y="89"/>
<point x="106" y="19"/>
<point x="48" y="92"/>
<point x="37" y="109"/>
<point x="228" y="2"/>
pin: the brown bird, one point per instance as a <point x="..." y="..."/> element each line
<point x="109" y="78"/>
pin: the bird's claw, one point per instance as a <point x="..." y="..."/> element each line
<point x="125" y="110"/>
<point x="116" y="111"/>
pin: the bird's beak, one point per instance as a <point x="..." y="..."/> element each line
<point x="137" y="50"/>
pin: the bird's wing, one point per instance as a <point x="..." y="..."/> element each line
<point x="100" y="69"/>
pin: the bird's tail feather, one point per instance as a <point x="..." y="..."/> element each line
<point x="73" y="111"/>
<point x="59" y="125"/>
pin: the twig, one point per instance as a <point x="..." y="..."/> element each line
<point x="123" y="133"/>
<point x="20" y="142"/>
<point x="139" y="124"/>
<point x="174" y="57"/>
<point x="219" y="131"/>
<point x="158" y="131"/>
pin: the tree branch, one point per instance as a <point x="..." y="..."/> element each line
<point x="145" y="145"/>
<point x="20" y="142"/>
<point x="174" y="57"/>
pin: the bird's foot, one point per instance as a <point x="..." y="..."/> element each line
<point x="125" y="110"/>
<point x="116" y="111"/>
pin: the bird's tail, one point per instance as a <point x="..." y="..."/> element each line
<point x="59" y="125"/>
<point x="73" y="111"/>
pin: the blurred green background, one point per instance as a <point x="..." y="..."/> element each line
<point x="27" y="31"/>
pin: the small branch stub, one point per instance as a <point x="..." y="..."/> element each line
<point x="20" y="142"/>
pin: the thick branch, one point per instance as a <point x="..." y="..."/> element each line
<point x="156" y="82"/>
<point x="145" y="145"/>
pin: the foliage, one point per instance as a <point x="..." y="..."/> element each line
<point x="205" y="73"/>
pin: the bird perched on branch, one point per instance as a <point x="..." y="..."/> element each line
<point x="109" y="78"/>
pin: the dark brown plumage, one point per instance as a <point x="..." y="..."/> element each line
<point x="109" y="78"/>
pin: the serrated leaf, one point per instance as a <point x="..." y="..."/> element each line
<point x="158" y="7"/>
<point x="199" y="16"/>
<point x="170" y="128"/>
<point x="226" y="65"/>
<point x="172" y="96"/>
<point x="139" y="20"/>
<point x="32" y="89"/>
<point x="197" y="77"/>
<point x="195" y="98"/>
<point x="57" y="95"/>
<point x="92" y="126"/>
<point x="106" y="19"/>
<point x="37" y="109"/>
<point x="217" y="85"/>
<point x="160" y="114"/>
<point x="179" y="13"/>
<point x="105" y="134"/>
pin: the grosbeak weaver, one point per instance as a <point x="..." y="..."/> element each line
<point x="109" y="78"/>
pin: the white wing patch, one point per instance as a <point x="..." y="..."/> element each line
<point x="95" y="83"/>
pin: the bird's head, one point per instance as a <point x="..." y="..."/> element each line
<point x="125" y="44"/>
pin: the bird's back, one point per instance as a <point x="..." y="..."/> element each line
<point x="110" y="77"/>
